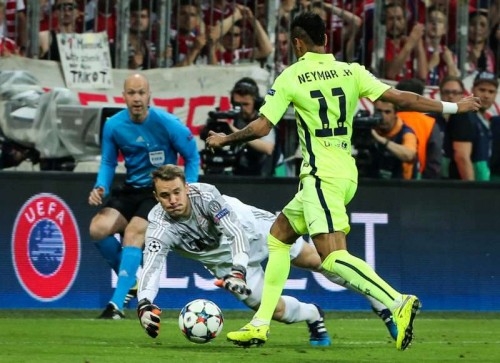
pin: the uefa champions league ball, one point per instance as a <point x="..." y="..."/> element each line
<point x="201" y="321"/>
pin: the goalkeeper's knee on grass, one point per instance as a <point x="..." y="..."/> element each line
<point x="149" y="317"/>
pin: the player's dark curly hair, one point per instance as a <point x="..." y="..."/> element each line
<point x="309" y="27"/>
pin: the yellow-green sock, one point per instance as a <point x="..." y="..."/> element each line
<point x="361" y="276"/>
<point x="277" y="271"/>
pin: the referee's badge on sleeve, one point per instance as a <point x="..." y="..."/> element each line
<point x="224" y="212"/>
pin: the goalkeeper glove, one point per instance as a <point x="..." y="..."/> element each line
<point x="235" y="281"/>
<point x="149" y="316"/>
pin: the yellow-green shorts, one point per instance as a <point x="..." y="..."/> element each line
<point x="320" y="207"/>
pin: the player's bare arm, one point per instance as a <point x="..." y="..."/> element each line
<point x="254" y="130"/>
<point x="412" y="101"/>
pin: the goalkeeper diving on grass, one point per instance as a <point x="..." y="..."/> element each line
<point x="229" y="238"/>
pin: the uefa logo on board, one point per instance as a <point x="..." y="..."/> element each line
<point x="46" y="247"/>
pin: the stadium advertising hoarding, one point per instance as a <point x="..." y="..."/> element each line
<point x="439" y="241"/>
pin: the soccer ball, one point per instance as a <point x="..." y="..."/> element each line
<point x="201" y="321"/>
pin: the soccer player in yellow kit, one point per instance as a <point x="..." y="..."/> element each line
<point x="325" y="94"/>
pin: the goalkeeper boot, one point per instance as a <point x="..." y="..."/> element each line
<point x="131" y="294"/>
<point x="318" y="335"/>
<point x="249" y="336"/>
<point x="388" y="320"/>
<point x="404" y="315"/>
<point x="111" y="312"/>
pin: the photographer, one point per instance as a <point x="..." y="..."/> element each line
<point x="395" y="154"/>
<point x="256" y="157"/>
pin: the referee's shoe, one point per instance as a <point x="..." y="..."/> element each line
<point x="111" y="312"/>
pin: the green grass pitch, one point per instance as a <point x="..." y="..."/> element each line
<point x="65" y="336"/>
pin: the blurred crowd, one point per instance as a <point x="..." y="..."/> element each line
<point x="398" y="40"/>
<point x="414" y="43"/>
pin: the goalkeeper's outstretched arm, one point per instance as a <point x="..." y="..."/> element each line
<point x="149" y="317"/>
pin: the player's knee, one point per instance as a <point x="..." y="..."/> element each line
<point x="97" y="234"/>
<point x="283" y="231"/>
<point x="99" y="230"/>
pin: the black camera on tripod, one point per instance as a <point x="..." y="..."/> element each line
<point x="363" y="143"/>
<point x="219" y="161"/>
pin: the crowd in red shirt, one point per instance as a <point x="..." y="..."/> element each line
<point x="421" y="36"/>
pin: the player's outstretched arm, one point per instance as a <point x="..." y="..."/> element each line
<point x="469" y="103"/>
<point x="254" y="130"/>
<point x="414" y="102"/>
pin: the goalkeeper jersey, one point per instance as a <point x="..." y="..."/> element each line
<point x="218" y="228"/>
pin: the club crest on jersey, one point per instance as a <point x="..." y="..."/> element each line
<point x="214" y="206"/>
<point x="46" y="247"/>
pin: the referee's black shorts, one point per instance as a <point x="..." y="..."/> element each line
<point x="132" y="202"/>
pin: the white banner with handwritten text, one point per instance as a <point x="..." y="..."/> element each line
<point x="85" y="60"/>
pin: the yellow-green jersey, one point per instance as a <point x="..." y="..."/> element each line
<point x="325" y="95"/>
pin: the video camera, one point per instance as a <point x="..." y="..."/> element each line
<point x="219" y="161"/>
<point x="363" y="142"/>
<point x="221" y="115"/>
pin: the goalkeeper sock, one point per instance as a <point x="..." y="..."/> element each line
<point x="131" y="259"/>
<point x="111" y="249"/>
<point x="361" y="277"/>
<point x="296" y="311"/>
<point x="277" y="271"/>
